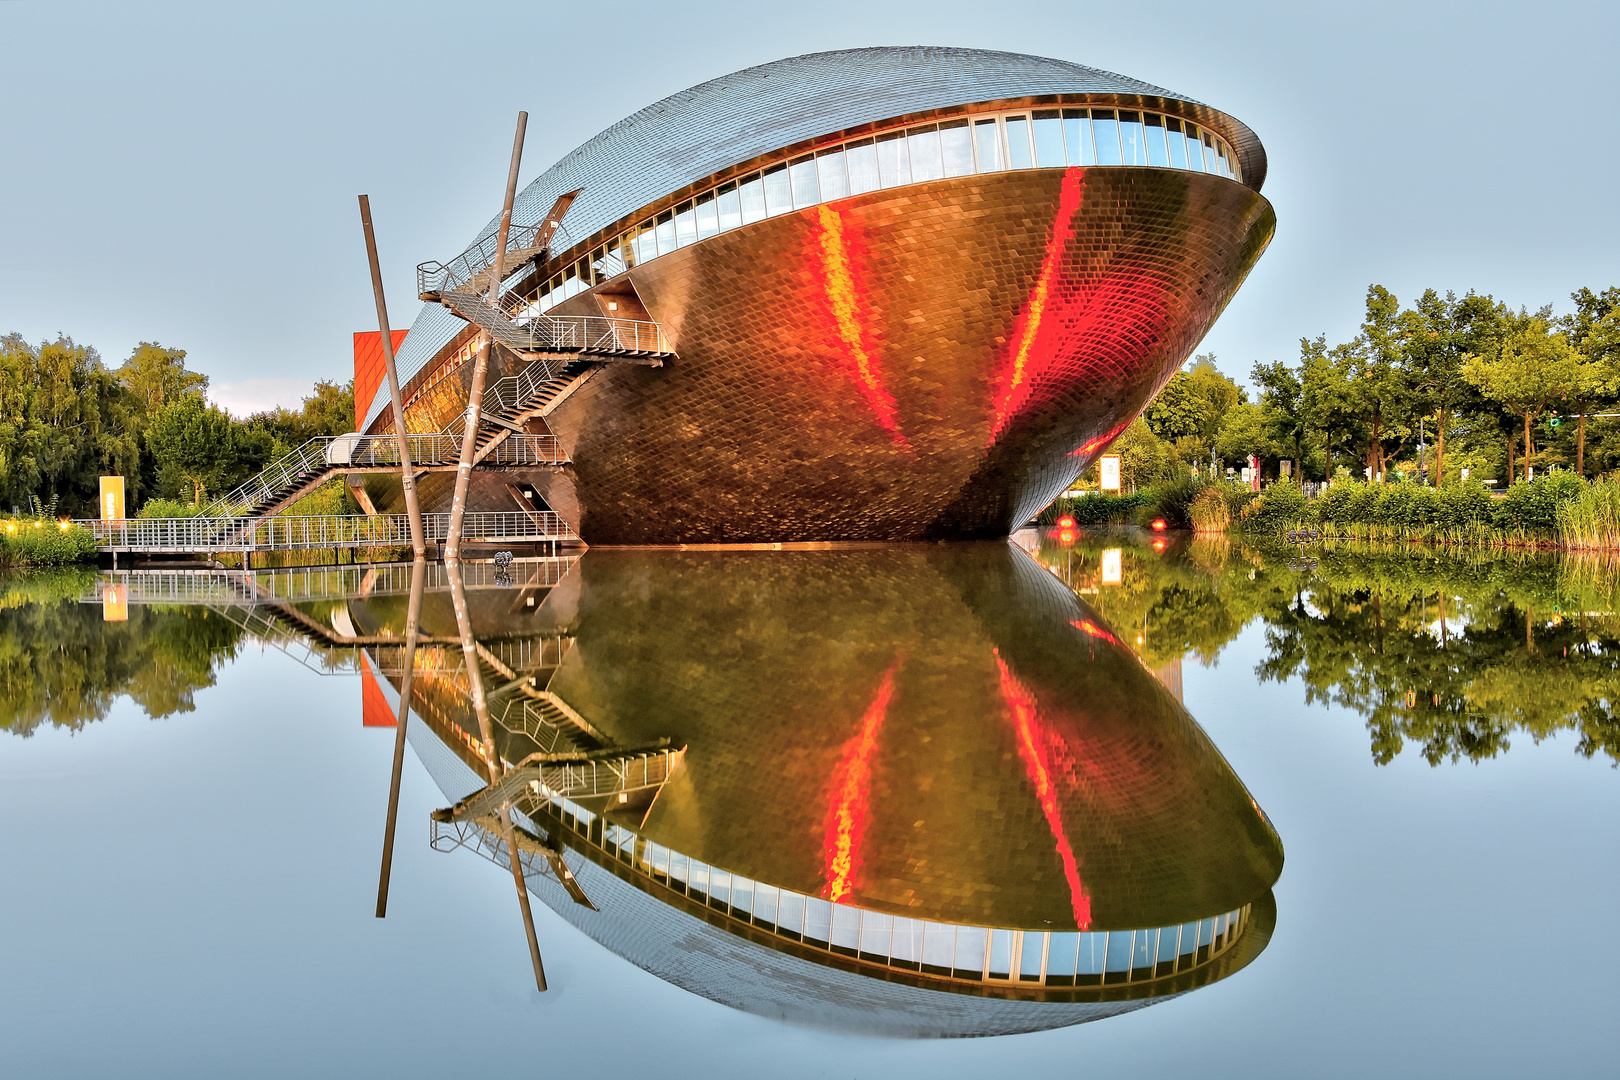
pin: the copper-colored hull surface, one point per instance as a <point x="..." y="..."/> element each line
<point x="936" y="361"/>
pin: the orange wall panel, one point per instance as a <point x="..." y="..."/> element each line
<point x="369" y="369"/>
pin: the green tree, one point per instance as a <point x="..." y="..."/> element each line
<point x="156" y="375"/>
<point x="195" y="441"/>
<point x="1533" y="368"/>
<point x="1379" y="393"/>
<point x="1282" y="404"/>
<point x="1243" y="432"/>
<point x="1594" y="330"/>
<point x="1440" y="333"/>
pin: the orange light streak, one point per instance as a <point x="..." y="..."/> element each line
<point x="835" y="250"/>
<point x="1023" y="710"/>
<point x="1016" y="390"/>
<point x="852" y="785"/>
<point x="1089" y="627"/>
<point x="1102" y="440"/>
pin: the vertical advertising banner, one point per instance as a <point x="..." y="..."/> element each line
<point x="1112" y="566"/>
<point x="1108" y="469"/>
<point x="112" y="498"/>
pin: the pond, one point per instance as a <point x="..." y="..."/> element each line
<point x="1083" y="800"/>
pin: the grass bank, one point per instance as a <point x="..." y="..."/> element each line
<point x="27" y="541"/>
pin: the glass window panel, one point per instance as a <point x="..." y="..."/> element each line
<point x="607" y="263"/>
<point x="719" y="885"/>
<point x="1167" y="944"/>
<point x="1189" y="939"/>
<point x="894" y="167"/>
<point x="1049" y="139"/>
<point x="877" y="932"/>
<point x="1226" y="158"/>
<point x="830" y="173"/>
<point x="1077" y="136"/>
<point x="817" y="919"/>
<point x="969" y="948"/>
<point x="1001" y="943"/>
<point x="1029" y="956"/>
<point x="742" y="895"/>
<point x="908" y="939"/>
<point x="846" y="926"/>
<point x="708" y="218"/>
<point x="1147" y="945"/>
<point x="1106" y="129"/>
<point x="679" y="867"/>
<point x="765" y="898"/>
<point x="790" y="912"/>
<point x="956" y="148"/>
<point x="1119" y="950"/>
<point x="1093" y="954"/>
<point x="1060" y="954"/>
<point x="1206" y="932"/>
<point x="1195" y="150"/>
<point x="698" y="877"/>
<point x="1212" y="164"/>
<point x="925" y="158"/>
<point x="1178" y="143"/>
<point x="752" y="195"/>
<point x="778" y="191"/>
<point x="988" y="142"/>
<point x="729" y="206"/>
<point x="1153" y="131"/>
<point x="1018" y="153"/>
<point x="666" y="232"/>
<point x="646" y="242"/>
<point x="939" y="945"/>
<point x="658" y="858"/>
<point x="802" y="180"/>
<point x="1133" y="150"/>
<point x="627" y="255"/>
<point x="685" y="226"/>
<point x="863" y="167"/>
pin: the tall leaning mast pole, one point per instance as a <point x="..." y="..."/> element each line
<point x="407" y="473"/>
<point x="475" y="396"/>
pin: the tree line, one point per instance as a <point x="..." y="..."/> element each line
<point x="1423" y="391"/>
<point x="67" y="419"/>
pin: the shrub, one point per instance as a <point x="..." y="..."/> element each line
<point x="1098" y="509"/>
<point x="35" y="542"/>
<point x="1531" y="509"/>
<point x="1279" y="506"/>
<point x="168" y="508"/>
<point x="1592" y="518"/>
<point x="1209" y="512"/>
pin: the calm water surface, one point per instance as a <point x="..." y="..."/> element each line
<point x="1114" y="802"/>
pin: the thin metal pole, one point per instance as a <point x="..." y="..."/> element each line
<point x="413" y="615"/>
<point x="492" y="758"/>
<point x="475" y="396"/>
<point x="407" y="474"/>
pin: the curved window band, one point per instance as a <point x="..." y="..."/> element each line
<point x="948" y="950"/>
<point x="977" y="143"/>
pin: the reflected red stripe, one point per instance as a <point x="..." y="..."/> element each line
<point x="1036" y="748"/>
<point x="837" y="250"/>
<point x="849" y="808"/>
<point x="1089" y="627"/>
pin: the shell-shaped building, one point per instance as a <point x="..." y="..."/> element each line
<point x="912" y="790"/>
<point x="875" y="294"/>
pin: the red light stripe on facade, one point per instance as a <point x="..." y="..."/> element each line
<point x="1033" y="747"/>
<point x="851" y="790"/>
<point x="1015" y="388"/>
<point x="1091" y="628"/>
<point x="834" y="247"/>
<point x="1103" y="440"/>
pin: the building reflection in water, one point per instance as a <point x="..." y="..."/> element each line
<point x="912" y="790"/>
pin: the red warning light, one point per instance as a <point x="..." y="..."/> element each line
<point x="1158" y="545"/>
<point x="1066" y="538"/>
<point x="1159" y="525"/>
<point x="1065" y="522"/>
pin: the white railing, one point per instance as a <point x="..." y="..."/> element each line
<point x="282" y="533"/>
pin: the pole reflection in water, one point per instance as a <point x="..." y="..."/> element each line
<point x="492" y="757"/>
<point x="916" y="790"/>
<point x="407" y="665"/>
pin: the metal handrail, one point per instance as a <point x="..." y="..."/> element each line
<point x="333" y="452"/>
<point x="437" y="277"/>
<point x="595" y="333"/>
<point x="283" y="533"/>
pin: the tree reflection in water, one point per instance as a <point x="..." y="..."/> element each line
<point x="1454" y="652"/>
<point x="61" y="663"/>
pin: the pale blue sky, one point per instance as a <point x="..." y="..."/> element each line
<point x="187" y="172"/>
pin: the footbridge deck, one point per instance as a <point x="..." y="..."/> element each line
<point x="212" y="535"/>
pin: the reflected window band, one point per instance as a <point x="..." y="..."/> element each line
<point x="976" y="953"/>
<point x="977" y="143"/>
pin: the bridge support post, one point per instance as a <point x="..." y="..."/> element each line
<point x="475" y="397"/>
<point x="407" y="474"/>
<point x="413" y="616"/>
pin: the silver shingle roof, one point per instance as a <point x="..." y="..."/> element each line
<point x="715" y="125"/>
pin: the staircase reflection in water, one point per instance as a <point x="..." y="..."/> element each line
<point x="913" y="790"/>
